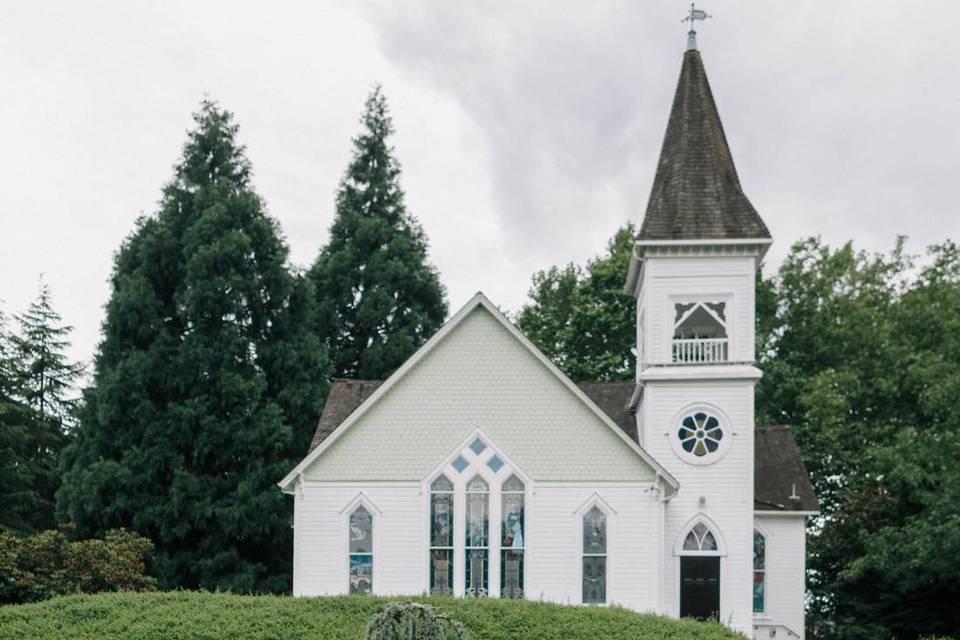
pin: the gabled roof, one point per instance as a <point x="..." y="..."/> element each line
<point x="346" y="395"/>
<point x="779" y="472"/>
<point x="780" y="479"/>
<point x="696" y="192"/>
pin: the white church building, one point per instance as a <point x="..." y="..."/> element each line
<point x="478" y="469"/>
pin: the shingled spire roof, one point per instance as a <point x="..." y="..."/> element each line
<point x="696" y="193"/>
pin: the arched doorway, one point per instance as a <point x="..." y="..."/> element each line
<point x="700" y="574"/>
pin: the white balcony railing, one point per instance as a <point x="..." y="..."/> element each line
<point x="696" y="350"/>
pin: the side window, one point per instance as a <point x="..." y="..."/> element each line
<point x="594" y="557"/>
<point x="759" y="570"/>
<point x="361" y="551"/>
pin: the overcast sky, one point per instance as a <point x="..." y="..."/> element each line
<point x="528" y="131"/>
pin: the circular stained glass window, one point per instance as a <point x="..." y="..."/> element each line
<point x="700" y="434"/>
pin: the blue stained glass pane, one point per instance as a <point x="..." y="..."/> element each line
<point x="477" y="446"/>
<point x="460" y="464"/>
<point x="495" y="463"/>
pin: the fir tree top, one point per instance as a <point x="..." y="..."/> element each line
<point x="379" y="297"/>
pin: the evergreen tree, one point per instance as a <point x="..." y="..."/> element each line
<point x="44" y="381"/>
<point x="580" y="317"/>
<point x="45" y="375"/>
<point x="207" y="381"/>
<point x="18" y="495"/>
<point x="379" y="298"/>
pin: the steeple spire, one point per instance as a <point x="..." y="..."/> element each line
<point x="696" y="192"/>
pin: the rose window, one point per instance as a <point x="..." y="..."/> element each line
<point x="700" y="434"/>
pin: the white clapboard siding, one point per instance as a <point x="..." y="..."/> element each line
<point x="785" y="573"/>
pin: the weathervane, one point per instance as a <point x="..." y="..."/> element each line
<point x="695" y="14"/>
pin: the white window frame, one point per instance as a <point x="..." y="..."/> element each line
<point x="477" y="464"/>
<point x="360" y="499"/>
<point x="726" y="442"/>
<point x="595" y="500"/>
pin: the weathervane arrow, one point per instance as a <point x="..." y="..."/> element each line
<point x="695" y="14"/>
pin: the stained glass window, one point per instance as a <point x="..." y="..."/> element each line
<point x="511" y="538"/>
<point x="759" y="570"/>
<point x="700" y="538"/>
<point x="594" y="556"/>
<point x="700" y="434"/>
<point x="361" y="551"/>
<point x="441" y="536"/>
<point x="476" y="542"/>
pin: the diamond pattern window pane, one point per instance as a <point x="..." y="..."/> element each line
<point x="477" y="446"/>
<point x="495" y="463"/>
<point x="460" y="464"/>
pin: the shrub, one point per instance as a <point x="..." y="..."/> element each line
<point x="403" y="620"/>
<point x="46" y="564"/>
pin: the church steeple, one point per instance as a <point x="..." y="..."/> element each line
<point x="696" y="193"/>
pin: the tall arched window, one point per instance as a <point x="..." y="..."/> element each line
<point x="594" y="556"/>
<point x="512" y="538"/>
<point x="361" y="551"/>
<point x="476" y="541"/>
<point x="441" y="536"/>
<point x="759" y="570"/>
<point x="700" y="574"/>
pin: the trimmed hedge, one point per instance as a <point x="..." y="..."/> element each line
<point x="187" y="615"/>
<point x="46" y="564"/>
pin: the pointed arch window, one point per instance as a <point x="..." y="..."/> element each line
<point x="759" y="570"/>
<point x="700" y="538"/>
<point x="476" y="542"/>
<point x="361" y="551"/>
<point x="441" y="536"/>
<point x="594" y="556"/>
<point x="512" y="537"/>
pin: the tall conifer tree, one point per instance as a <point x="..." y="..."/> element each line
<point x="207" y="380"/>
<point x="379" y="297"/>
<point x="43" y="381"/>
<point x="19" y="497"/>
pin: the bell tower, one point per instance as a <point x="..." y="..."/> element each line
<point x="692" y="274"/>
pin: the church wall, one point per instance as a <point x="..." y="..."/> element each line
<point x="725" y="485"/>
<point x="320" y="537"/>
<point x="785" y="573"/>
<point x="553" y="561"/>
<point x="480" y="376"/>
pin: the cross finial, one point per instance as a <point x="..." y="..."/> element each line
<point x="695" y="14"/>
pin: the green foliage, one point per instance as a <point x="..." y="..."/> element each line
<point x="46" y="564"/>
<point x="211" y="616"/>
<point x="862" y="355"/>
<point x="37" y="409"/>
<point x="412" y="621"/>
<point x="581" y="319"/>
<point x="379" y="298"/>
<point x="19" y="498"/>
<point x="208" y="380"/>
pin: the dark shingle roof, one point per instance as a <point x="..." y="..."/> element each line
<point x="344" y="397"/>
<point x="779" y="472"/>
<point x="613" y="399"/>
<point x="778" y="467"/>
<point x="696" y="192"/>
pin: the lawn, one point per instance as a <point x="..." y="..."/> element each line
<point x="186" y="615"/>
